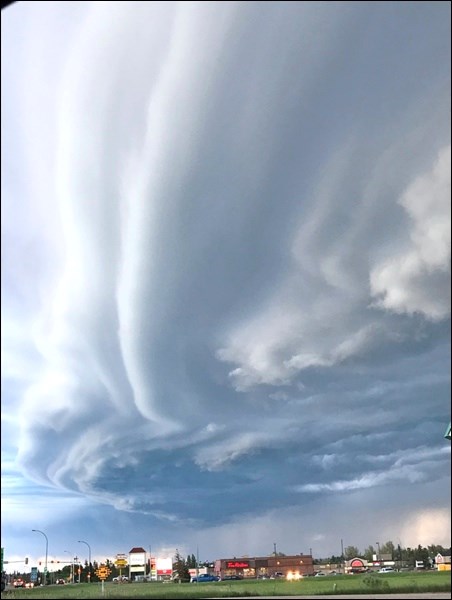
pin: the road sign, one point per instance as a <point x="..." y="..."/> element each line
<point x="120" y="563"/>
<point x="103" y="572"/>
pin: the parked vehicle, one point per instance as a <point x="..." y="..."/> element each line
<point x="320" y="574"/>
<point x="120" y="579"/>
<point x="387" y="570"/>
<point x="229" y="577"/>
<point x="204" y="577"/>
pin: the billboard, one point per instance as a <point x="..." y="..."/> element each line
<point x="164" y="566"/>
<point x="137" y="559"/>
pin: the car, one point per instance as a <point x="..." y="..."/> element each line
<point x="204" y="577"/>
<point x="232" y="577"/>
<point x="61" y="582"/>
<point x="120" y="579"/>
<point x="320" y="574"/>
<point x="387" y="570"/>
<point x="18" y="583"/>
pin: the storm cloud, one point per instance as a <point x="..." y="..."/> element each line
<point x="226" y="255"/>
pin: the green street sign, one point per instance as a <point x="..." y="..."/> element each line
<point x="448" y="434"/>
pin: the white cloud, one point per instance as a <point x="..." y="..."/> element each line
<point x="427" y="526"/>
<point x="418" y="280"/>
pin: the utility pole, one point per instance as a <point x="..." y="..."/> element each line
<point x="150" y="563"/>
<point x="76" y="562"/>
<point x="274" y="548"/>
<point x="342" y="555"/>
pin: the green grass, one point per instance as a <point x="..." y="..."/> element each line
<point x="340" y="584"/>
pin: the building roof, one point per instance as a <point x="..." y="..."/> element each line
<point x="138" y="550"/>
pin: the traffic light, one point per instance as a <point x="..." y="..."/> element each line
<point x="26" y="561"/>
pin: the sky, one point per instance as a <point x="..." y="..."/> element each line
<point x="225" y="277"/>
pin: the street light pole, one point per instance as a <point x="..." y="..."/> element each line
<point x="378" y="555"/>
<point x="342" y="556"/>
<point x="89" y="558"/>
<point x="47" y="551"/>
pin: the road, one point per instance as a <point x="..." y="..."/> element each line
<point x="417" y="596"/>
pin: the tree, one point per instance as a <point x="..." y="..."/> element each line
<point x="351" y="552"/>
<point x="421" y="554"/>
<point x="388" y="548"/>
<point x="180" y="568"/>
<point x="191" y="561"/>
<point x="369" y="553"/>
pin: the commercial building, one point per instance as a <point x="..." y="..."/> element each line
<point x="265" y="566"/>
<point x="443" y="562"/>
<point x="137" y="563"/>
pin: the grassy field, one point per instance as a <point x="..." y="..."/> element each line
<point x="345" y="584"/>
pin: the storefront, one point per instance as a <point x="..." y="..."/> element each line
<point x="265" y="566"/>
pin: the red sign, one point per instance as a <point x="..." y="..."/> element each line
<point x="357" y="564"/>
<point x="164" y="571"/>
<point x="237" y="564"/>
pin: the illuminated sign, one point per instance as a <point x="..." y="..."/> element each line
<point x="237" y="564"/>
<point x="164" y="566"/>
<point x="357" y="564"/>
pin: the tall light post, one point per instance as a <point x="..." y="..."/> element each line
<point x="47" y="552"/>
<point x="89" y="558"/>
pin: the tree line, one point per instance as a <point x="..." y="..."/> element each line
<point x="405" y="556"/>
